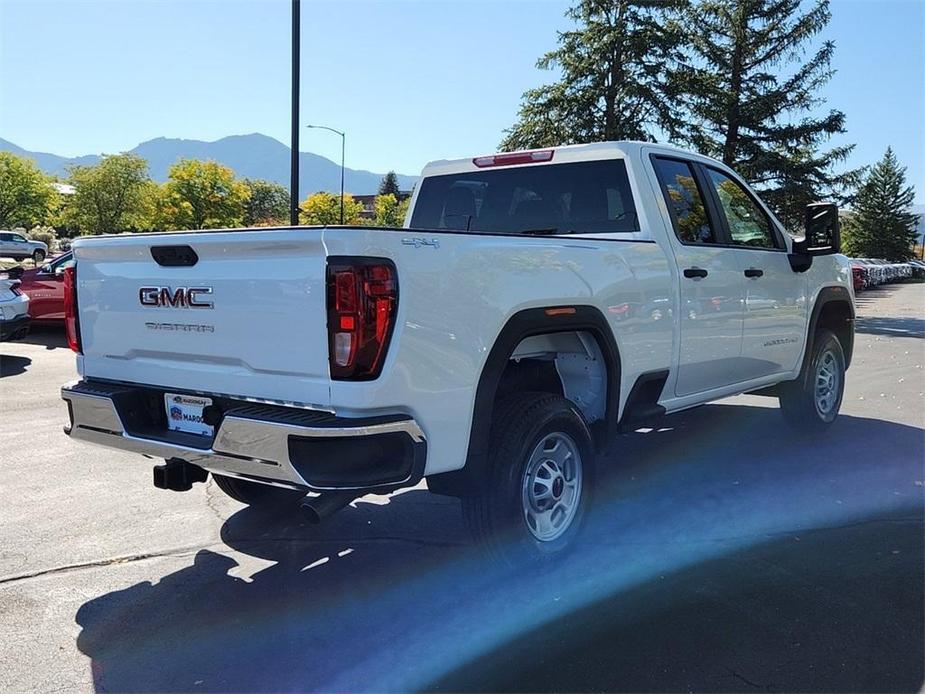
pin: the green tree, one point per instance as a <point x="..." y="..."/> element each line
<point x="26" y="194"/>
<point x="389" y="185"/>
<point x="324" y="209"/>
<point x="748" y="110"/>
<point x="267" y="205"/>
<point x="615" y="77"/>
<point x="880" y="224"/>
<point x="108" y="195"/>
<point x="203" y="195"/>
<point x="388" y="211"/>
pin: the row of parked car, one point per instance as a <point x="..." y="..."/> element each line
<point x="35" y="294"/>
<point x="872" y="272"/>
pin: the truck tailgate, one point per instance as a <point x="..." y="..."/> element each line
<point x="259" y="330"/>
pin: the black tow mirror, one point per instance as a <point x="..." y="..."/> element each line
<point x="821" y="235"/>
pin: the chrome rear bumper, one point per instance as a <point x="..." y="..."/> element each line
<point x="262" y="443"/>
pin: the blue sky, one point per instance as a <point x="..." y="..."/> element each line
<point x="408" y="81"/>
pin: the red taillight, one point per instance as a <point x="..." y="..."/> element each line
<point x="362" y="301"/>
<point x="511" y="158"/>
<point x="71" y="321"/>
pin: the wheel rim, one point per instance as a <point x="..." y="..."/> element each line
<point x="551" y="487"/>
<point x="827" y="383"/>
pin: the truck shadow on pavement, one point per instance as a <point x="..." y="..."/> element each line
<point x="13" y="365"/>
<point x="725" y="554"/>
<point x="891" y="326"/>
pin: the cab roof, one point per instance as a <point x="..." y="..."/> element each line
<point x="550" y="155"/>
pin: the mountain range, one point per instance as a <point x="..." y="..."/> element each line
<point x="251" y="156"/>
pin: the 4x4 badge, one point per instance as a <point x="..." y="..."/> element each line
<point x="418" y="242"/>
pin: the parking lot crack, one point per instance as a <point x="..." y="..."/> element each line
<point x="210" y="500"/>
<point x="114" y="561"/>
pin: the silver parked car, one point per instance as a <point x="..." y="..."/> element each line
<point x="14" y="311"/>
<point x="15" y="245"/>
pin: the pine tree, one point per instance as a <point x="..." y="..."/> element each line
<point x="756" y="116"/>
<point x="881" y="225"/>
<point x="389" y="185"/>
<point x="615" y="82"/>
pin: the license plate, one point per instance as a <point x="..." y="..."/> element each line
<point x="184" y="413"/>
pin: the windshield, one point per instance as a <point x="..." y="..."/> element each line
<point x="580" y="198"/>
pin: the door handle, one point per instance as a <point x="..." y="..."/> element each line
<point x="754" y="272"/>
<point x="695" y="272"/>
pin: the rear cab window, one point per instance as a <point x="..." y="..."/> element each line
<point x="578" y="198"/>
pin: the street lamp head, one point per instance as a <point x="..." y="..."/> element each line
<point x="325" y="127"/>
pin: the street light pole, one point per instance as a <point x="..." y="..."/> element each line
<point x="343" y="147"/>
<point x="294" y="145"/>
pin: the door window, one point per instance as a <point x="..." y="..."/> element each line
<point x="685" y="200"/>
<point x="748" y="224"/>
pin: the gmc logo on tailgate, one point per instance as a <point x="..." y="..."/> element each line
<point x="181" y="297"/>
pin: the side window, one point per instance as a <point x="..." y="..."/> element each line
<point x="685" y="200"/>
<point x="18" y="239"/>
<point x="63" y="263"/>
<point x="748" y="224"/>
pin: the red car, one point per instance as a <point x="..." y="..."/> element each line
<point x="859" y="276"/>
<point x="45" y="288"/>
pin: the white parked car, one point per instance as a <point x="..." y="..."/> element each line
<point x="535" y="305"/>
<point x="14" y="311"/>
<point x="16" y="246"/>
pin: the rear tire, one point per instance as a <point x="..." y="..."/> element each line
<point x="38" y="255"/>
<point x="256" y="494"/>
<point x="537" y="491"/>
<point x="811" y="402"/>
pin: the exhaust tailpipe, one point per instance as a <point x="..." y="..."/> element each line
<point x="317" y="508"/>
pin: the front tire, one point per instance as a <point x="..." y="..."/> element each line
<point x="256" y="494"/>
<point x="538" y="488"/>
<point x="811" y="403"/>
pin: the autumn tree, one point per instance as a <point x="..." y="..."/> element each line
<point x="880" y="224"/>
<point x="753" y="99"/>
<point x="108" y="195"/>
<point x="388" y="211"/>
<point x="324" y="209"/>
<point x="26" y="194"/>
<point x="204" y="195"/>
<point x="267" y="204"/>
<point x="615" y="79"/>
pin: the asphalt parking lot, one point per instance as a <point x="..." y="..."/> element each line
<point x="726" y="554"/>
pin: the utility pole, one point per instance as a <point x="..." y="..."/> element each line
<point x="294" y="153"/>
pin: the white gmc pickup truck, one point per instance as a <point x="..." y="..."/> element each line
<point x="534" y="305"/>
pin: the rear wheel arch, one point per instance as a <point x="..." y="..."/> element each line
<point x="548" y="320"/>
